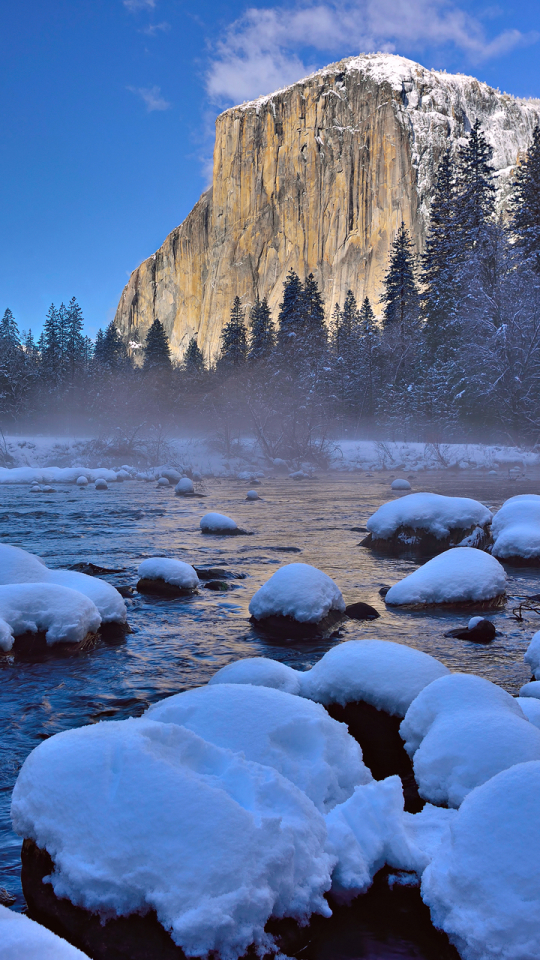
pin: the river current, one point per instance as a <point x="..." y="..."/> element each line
<point x="178" y="644"/>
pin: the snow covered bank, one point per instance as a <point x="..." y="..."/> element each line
<point x="428" y="521"/>
<point x="298" y="596"/>
<point x="163" y="575"/>
<point x="463" y="575"/>
<point x="49" y="475"/>
<point x="516" y="531"/>
<point x="24" y="939"/>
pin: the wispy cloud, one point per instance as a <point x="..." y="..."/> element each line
<point x="154" y="28"/>
<point x="134" y="5"/>
<point x="151" y="97"/>
<point x="258" y="52"/>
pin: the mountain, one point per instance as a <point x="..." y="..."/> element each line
<point x="318" y="177"/>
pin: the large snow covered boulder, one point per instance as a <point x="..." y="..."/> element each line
<point x="140" y="815"/>
<point x="298" y="600"/>
<point x="428" y="523"/>
<point x="218" y="523"/>
<point x="260" y="672"/>
<point x="294" y="736"/>
<point x="461" y="731"/>
<point x="24" y="939"/>
<point x="532" y="654"/>
<point x="184" y="487"/>
<point x="516" y="531"/>
<point x="463" y="576"/>
<point x="166" y="576"/>
<point x="483" y="884"/>
<point x="58" y="614"/>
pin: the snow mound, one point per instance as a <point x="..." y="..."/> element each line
<point x="385" y="674"/>
<point x="101" y="484"/>
<point x="252" y="495"/>
<point x="300" y="591"/>
<point x="177" y="572"/>
<point x="217" y="523"/>
<point x="260" y="672"/>
<point x="110" y="604"/>
<point x="163" y="482"/>
<point x="184" y="487"/>
<point x="294" y="736"/>
<point x="65" y="616"/>
<point x="461" y="575"/>
<point x="516" y="528"/>
<point x="18" y="566"/>
<point x="429" y="512"/>
<point x="531" y="655"/>
<point x="138" y="814"/>
<point x="531" y="709"/>
<point x="483" y="885"/>
<point x="400" y="484"/>
<point x="82" y="482"/>
<point x="531" y="689"/>
<point x="24" y="939"/>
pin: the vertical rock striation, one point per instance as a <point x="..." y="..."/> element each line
<point x="316" y="177"/>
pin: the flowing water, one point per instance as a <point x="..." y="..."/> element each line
<point x="177" y="644"/>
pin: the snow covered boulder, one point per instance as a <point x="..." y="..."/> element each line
<point x="168" y="577"/>
<point x="531" y="655"/>
<point x="36" y="488"/>
<point x="137" y="815"/>
<point x="252" y="495"/>
<point x="516" y="531"/>
<point x="18" y="566"/>
<point x="101" y="484"/>
<point x="531" y="689"/>
<point x="478" y="630"/>
<point x="218" y="523"/>
<point x="428" y="523"/>
<point x="170" y="474"/>
<point x="184" y="487"/>
<point x="298" y="601"/>
<point x="531" y="708"/>
<point x="483" y="884"/>
<point x="82" y="481"/>
<point x="163" y="482"/>
<point x="24" y="939"/>
<point x="293" y="735"/>
<point x="34" y="614"/>
<point x="463" y="576"/>
<point x="400" y="484"/>
<point x="260" y="672"/>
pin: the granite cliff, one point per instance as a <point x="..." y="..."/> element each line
<point x="317" y="177"/>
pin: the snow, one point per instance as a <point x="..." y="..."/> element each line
<point x="399" y="484"/>
<point x="532" y="653"/>
<point x="101" y="484"/>
<point x="82" y="482"/>
<point x="107" y="800"/>
<point x="473" y="622"/>
<point x="300" y="591"/>
<point x="18" y="566"/>
<point x="483" y="885"/>
<point x="461" y="731"/>
<point x="429" y="512"/>
<point x="184" y="487"/>
<point x="64" y="615"/>
<point x="460" y="575"/>
<point x="24" y="939"/>
<point x="217" y="523"/>
<point x="163" y="482"/>
<point x="516" y="528"/>
<point x="252" y="495"/>
<point x="177" y="572"/>
<point x="531" y="689"/>
<point x="260" y="671"/>
<point x="294" y="736"/>
<point x="385" y="674"/>
<point x="531" y="708"/>
<point x="48" y="475"/>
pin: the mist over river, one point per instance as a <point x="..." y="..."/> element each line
<point x="178" y="644"/>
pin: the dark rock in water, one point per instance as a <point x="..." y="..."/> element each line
<point x="414" y="542"/>
<point x="483" y="632"/>
<point x="359" y="529"/>
<point x="163" y="588"/>
<point x="216" y="573"/>
<point x="361" y="611"/>
<point x="93" y="570"/>
<point x="35" y="644"/>
<point x="218" y="585"/>
<point x="383" y="590"/>
<point x="125" y="591"/>
<point x="225" y="532"/>
<point x="6" y="898"/>
<point x="285" y="549"/>
<point x="516" y="561"/>
<point x="377" y="732"/>
<point x="114" y="632"/>
<point x="287" y="628"/>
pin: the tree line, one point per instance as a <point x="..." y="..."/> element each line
<point x="454" y="350"/>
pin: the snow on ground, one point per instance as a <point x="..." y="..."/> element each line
<point x="429" y="512"/>
<point x="260" y="672"/>
<point x="106" y="802"/>
<point x="300" y="591"/>
<point x="462" y="574"/>
<point x="217" y="523"/>
<point x="516" y="528"/>
<point x="461" y="731"/>
<point x="529" y="690"/>
<point x="64" y="615"/>
<point x="532" y="654"/>
<point x="483" y="885"/>
<point x="294" y="736"/>
<point x="177" y="572"/>
<point x="24" y="939"/>
<point x="531" y="708"/>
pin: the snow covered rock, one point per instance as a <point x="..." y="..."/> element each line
<point x="260" y="672"/>
<point x="400" y="484"/>
<point x="18" y="566"/>
<point x="483" y="884"/>
<point x="101" y="484"/>
<point x="516" y="531"/>
<point x="478" y="630"/>
<point x="298" y="600"/>
<point x="24" y="939"/>
<point x="531" y="708"/>
<point x="428" y="523"/>
<point x="294" y="736"/>
<point x="82" y="481"/>
<point x="123" y="474"/>
<point x="462" y="576"/>
<point x="184" y="487"/>
<point x="63" y="615"/>
<point x="35" y="488"/>
<point x="252" y="495"/>
<point x="531" y="689"/>
<point x="218" y="523"/>
<point x="531" y="656"/>
<point x="162" y="575"/>
<point x="138" y="814"/>
<point x="163" y="482"/>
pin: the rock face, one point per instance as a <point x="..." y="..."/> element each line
<point x="316" y="177"/>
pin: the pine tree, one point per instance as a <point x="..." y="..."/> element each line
<point x="157" y="352"/>
<point x="262" y="337"/>
<point x="291" y="312"/>
<point x="234" y="339"/>
<point x="525" y="204"/>
<point x="9" y="333"/>
<point x="442" y="252"/>
<point x="193" y="358"/>
<point x="345" y="344"/>
<point x="51" y="348"/>
<point x="369" y="348"/>
<point x="99" y="347"/>
<point x="111" y="350"/>
<point x="312" y="317"/>
<point x="475" y="203"/>
<point x="75" y="346"/>
<point x="400" y="297"/>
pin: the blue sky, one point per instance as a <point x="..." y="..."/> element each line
<point x="107" y="113"/>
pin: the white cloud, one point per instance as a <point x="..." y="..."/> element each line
<point x="134" y="5"/>
<point x="151" y="97"/>
<point x="258" y="52"/>
<point x="154" y="28"/>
